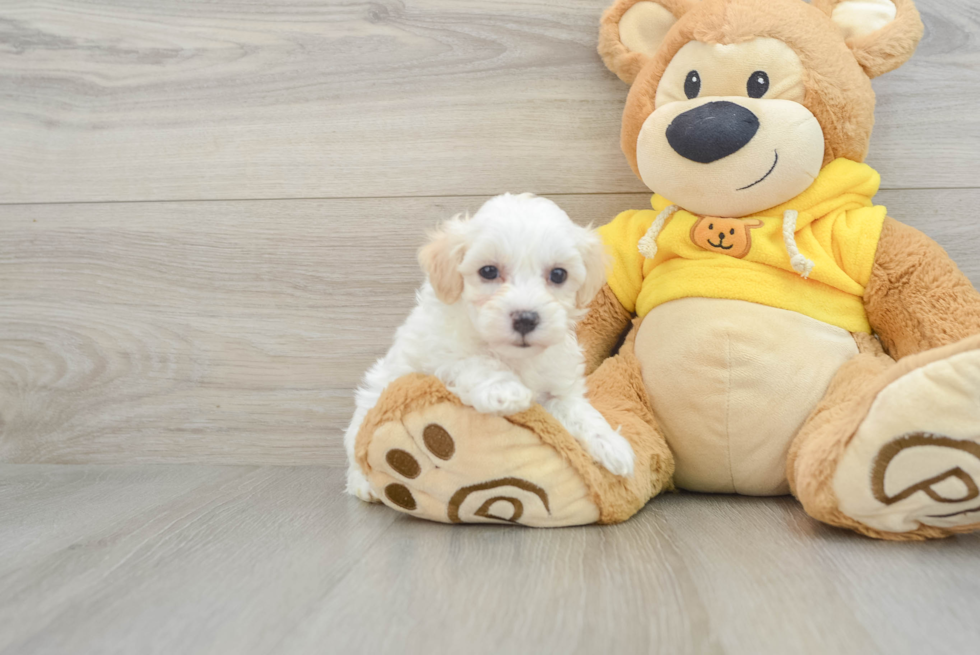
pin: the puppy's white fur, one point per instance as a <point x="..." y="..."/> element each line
<point x="463" y="329"/>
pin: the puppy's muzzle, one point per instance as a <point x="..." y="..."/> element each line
<point x="525" y="322"/>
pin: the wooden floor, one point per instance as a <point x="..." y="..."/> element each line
<point x="208" y="219"/>
<point x="252" y="559"/>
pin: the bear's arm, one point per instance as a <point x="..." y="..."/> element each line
<point x="602" y="328"/>
<point x="917" y="298"/>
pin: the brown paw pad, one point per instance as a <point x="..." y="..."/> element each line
<point x="438" y="441"/>
<point x="401" y="496"/>
<point x="403" y="463"/>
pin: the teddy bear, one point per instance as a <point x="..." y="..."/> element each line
<point x="765" y="329"/>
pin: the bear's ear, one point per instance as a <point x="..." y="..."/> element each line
<point x="632" y="30"/>
<point x="882" y="34"/>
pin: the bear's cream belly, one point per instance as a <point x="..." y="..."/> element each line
<point x="731" y="383"/>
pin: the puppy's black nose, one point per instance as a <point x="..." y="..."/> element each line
<point x="525" y="322"/>
<point x="712" y="131"/>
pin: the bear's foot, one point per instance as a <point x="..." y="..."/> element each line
<point x="915" y="459"/>
<point x="425" y="454"/>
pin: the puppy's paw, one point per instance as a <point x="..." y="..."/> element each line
<point x="502" y="398"/>
<point x="611" y="450"/>
<point x="359" y="487"/>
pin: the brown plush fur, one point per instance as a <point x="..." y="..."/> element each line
<point x="917" y="297"/>
<point x="838" y="91"/>
<point x="821" y="442"/>
<point x="602" y="328"/>
<point x="617" y="57"/>
<point x="891" y="47"/>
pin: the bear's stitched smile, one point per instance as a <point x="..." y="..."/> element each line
<point x="764" y="176"/>
<point x="719" y="245"/>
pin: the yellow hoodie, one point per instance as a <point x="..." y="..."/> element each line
<point x="837" y="232"/>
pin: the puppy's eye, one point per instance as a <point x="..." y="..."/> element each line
<point x="711" y="226"/>
<point x="489" y="273"/>
<point x="558" y="275"/>
<point x="732" y="231"/>
<point x="758" y="84"/>
<point x="692" y="85"/>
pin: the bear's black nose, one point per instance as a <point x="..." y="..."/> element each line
<point x="712" y="131"/>
<point x="525" y="322"/>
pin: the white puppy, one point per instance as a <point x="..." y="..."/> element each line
<point x="495" y="322"/>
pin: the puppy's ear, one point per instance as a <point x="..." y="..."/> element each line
<point x="594" y="258"/>
<point x="882" y="34"/>
<point x="632" y="30"/>
<point x="441" y="257"/>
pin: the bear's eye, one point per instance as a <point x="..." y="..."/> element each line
<point x="711" y="226"/>
<point x="732" y="231"/>
<point x="692" y="85"/>
<point x="489" y="272"/>
<point x="558" y="275"/>
<point x="758" y="84"/>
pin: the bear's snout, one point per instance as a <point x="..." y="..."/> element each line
<point x="712" y="131"/>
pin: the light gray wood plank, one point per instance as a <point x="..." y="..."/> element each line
<point x="221" y="568"/>
<point x="275" y="560"/>
<point x="44" y="509"/>
<point x="175" y="99"/>
<point x="234" y="332"/>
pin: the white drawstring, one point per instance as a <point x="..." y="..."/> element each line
<point x="648" y="244"/>
<point x="800" y="264"/>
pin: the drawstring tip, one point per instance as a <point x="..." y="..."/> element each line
<point x="648" y="243"/>
<point x="648" y="247"/>
<point x="802" y="265"/>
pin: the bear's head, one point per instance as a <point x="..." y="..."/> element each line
<point x="736" y="105"/>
